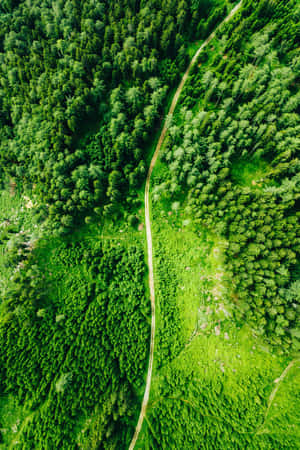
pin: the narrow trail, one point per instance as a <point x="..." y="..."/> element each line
<point x="148" y="226"/>
<point x="274" y="392"/>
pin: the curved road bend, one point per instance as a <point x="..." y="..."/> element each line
<point x="148" y="227"/>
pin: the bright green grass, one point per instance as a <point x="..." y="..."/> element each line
<point x="285" y="404"/>
<point x="200" y="271"/>
<point x="192" y="47"/>
<point x="240" y="364"/>
<point x="11" y="418"/>
<point x="250" y="173"/>
<point x="15" y="214"/>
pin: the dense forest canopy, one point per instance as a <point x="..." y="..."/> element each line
<point x="66" y="64"/>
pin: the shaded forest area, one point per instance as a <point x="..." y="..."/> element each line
<point x="68" y="65"/>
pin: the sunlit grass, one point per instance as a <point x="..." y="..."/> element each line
<point x="251" y="173"/>
<point x="16" y="215"/>
<point x="11" y="417"/>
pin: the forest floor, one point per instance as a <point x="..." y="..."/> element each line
<point x="148" y="225"/>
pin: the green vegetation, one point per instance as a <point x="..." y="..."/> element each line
<point x="82" y="86"/>
<point x="236" y="158"/>
<point x="226" y="240"/>
<point x="73" y="340"/>
<point x="19" y="232"/>
<point x="84" y="89"/>
<point x="251" y="173"/>
<point x="215" y="394"/>
<point x="213" y="374"/>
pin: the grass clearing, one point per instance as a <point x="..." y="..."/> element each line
<point x="199" y="269"/>
<point x="16" y="215"/>
<point x="250" y="173"/>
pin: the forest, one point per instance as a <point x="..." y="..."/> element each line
<point x="82" y="85"/>
<point x="85" y="89"/>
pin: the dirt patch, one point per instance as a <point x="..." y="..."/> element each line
<point x="12" y="188"/>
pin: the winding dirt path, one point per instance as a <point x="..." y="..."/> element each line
<point x="148" y="226"/>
